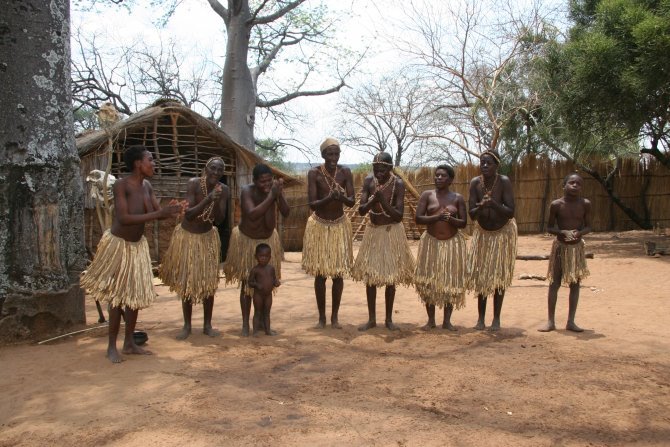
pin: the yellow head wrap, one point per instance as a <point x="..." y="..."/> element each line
<point x="330" y="141"/>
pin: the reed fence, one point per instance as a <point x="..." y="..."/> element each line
<point x="537" y="181"/>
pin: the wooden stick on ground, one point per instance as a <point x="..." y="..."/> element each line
<point x="529" y="276"/>
<point x="542" y="257"/>
<point x="72" y="333"/>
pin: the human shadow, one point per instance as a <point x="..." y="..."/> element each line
<point x="587" y="335"/>
<point x="350" y="332"/>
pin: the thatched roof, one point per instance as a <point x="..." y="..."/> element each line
<point x="92" y="141"/>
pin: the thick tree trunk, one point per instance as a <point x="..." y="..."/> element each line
<point x="41" y="206"/>
<point x="238" y="101"/>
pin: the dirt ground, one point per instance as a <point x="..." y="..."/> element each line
<point x="609" y="386"/>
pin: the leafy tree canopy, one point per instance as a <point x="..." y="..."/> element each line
<point x="615" y="68"/>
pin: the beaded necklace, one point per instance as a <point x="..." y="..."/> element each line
<point x="383" y="187"/>
<point x="487" y="191"/>
<point x="206" y="215"/>
<point x="330" y="179"/>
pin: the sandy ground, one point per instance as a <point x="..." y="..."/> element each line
<point x="609" y="386"/>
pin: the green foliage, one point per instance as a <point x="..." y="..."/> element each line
<point x="165" y="8"/>
<point x="615" y="68"/>
<point x="524" y="78"/>
<point x="568" y="119"/>
<point x="85" y="119"/>
<point x="274" y="153"/>
<point x="363" y="168"/>
<point x="582" y="12"/>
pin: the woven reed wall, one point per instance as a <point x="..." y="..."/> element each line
<point x="536" y="181"/>
<point x="180" y="153"/>
<point x="292" y="228"/>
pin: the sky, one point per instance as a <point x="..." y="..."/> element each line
<point x="371" y="25"/>
<point x="202" y="33"/>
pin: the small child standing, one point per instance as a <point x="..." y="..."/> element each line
<point x="263" y="279"/>
<point x="569" y="220"/>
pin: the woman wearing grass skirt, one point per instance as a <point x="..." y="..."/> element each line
<point x="384" y="258"/>
<point x="440" y="274"/>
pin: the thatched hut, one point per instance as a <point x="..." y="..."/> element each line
<point x="181" y="141"/>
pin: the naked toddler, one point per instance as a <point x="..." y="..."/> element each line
<point x="263" y="279"/>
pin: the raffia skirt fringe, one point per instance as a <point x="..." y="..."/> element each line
<point x="440" y="275"/>
<point x="241" y="257"/>
<point x="384" y="257"/>
<point x="191" y="264"/>
<point x="571" y="259"/>
<point x="120" y="273"/>
<point x="491" y="258"/>
<point x="327" y="247"/>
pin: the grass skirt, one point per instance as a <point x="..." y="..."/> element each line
<point x="440" y="275"/>
<point x="327" y="247"/>
<point x="491" y="258"/>
<point x="191" y="264"/>
<point x="241" y="257"/>
<point x="120" y="273"/>
<point x="570" y="259"/>
<point x="384" y="257"/>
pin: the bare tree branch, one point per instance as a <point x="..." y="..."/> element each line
<point x="92" y="81"/>
<point x="298" y="94"/>
<point x="220" y="10"/>
<point x="395" y="114"/>
<point x="148" y="73"/>
<point x="474" y="58"/>
<point x="290" y="6"/>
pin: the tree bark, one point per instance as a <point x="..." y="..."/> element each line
<point x="238" y="98"/>
<point x="41" y="198"/>
<point x="657" y="154"/>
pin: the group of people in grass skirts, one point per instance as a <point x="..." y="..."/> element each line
<point x="445" y="268"/>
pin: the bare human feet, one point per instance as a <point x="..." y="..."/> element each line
<point x="334" y="324"/>
<point x="113" y="355"/>
<point x="184" y="333"/>
<point x="391" y="326"/>
<point x="448" y="326"/>
<point x="210" y="331"/>
<point x="430" y="325"/>
<point x="550" y="326"/>
<point x="495" y="325"/>
<point x="571" y="326"/>
<point x="369" y="325"/>
<point x="135" y="350"/>
<point x="321" y="324"/>
<point x="480" y="326"/>
<point x="245" y="330"/>
<point x="256" y="332"/>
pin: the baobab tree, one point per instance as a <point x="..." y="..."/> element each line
<point x="41" y="201"/>
<point x="259" y="33"/>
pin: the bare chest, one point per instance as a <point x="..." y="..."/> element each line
<point x="328" y="182"/>
<point x="138" y="199"/>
